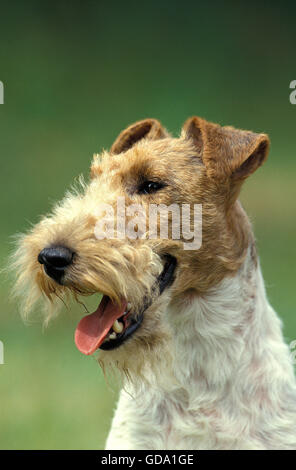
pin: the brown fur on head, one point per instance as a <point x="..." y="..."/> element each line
<point x="206" y="165"/>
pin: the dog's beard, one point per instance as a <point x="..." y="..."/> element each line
<point x="144" y="357"/>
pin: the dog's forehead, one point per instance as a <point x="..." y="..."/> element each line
<point x="148" y="157"/>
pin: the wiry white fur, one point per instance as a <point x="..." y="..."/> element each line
<point x="229" y="385"/>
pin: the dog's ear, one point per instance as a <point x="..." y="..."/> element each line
<point x="227" y="153"/>
<point x="149" y="129"/>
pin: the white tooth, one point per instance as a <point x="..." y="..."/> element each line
<point x="112" y="335"/>
<point x="117" y="326"/>
<point x="128" y="306"/>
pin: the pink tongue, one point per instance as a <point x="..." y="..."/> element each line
<point x="93" y="329"/>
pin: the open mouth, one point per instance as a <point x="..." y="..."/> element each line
<point x="112" y="324"/>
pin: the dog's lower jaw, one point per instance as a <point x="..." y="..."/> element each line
<point x="229" y="383"/>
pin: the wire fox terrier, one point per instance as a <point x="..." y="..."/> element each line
<point x="201" y="352"/>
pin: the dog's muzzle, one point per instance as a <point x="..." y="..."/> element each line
<point x="55" y="260"/>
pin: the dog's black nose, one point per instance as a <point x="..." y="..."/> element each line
<point x="55" y="260"/>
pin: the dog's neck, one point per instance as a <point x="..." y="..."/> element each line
<point x="223" y="369"/>
<point x="224" y="339"/>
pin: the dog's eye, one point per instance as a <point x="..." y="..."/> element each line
<point x="149" y="187"/>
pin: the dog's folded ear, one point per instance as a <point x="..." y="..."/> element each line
<point x="147" y="129"/>
<point x="226" y="152"/>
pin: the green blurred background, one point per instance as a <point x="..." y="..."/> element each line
<point x="75" y="73"/>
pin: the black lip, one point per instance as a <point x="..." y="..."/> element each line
<point x="115" y="343"/>
<point x="165" y="279"/>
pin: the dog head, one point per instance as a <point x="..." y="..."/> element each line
<point x="101" y="239"/>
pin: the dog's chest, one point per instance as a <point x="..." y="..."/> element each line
<point x="187" y="428"/>
<point x="156" y="421"/>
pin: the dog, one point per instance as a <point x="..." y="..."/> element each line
<point x="199" y="349"/>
